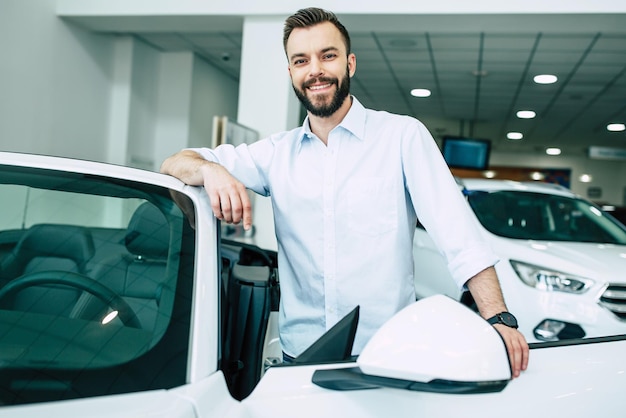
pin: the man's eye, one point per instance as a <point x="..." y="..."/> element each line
<point x="329" y="56"/>
<point x="299" y="62"/>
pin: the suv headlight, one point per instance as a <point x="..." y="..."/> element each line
<point x="550" y="280"/>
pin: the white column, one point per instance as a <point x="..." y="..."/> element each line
<point x="267" y="102"/>
<point x="173" y="106"/>
<point x="119" y="108"/>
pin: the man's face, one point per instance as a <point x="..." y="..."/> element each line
<point x="320" y="68"/>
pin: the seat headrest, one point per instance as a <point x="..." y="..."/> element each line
<point x="48" y="240"/>
<point x="148" y="232"/>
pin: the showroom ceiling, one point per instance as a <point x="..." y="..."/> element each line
<point x="480" y="71"/>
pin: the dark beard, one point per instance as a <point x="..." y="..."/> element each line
<point x="324" y="111"/>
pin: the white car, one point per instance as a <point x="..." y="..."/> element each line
<point x="118" y="298"/>
<point x="562" y="259"/>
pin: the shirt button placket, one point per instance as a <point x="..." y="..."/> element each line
<point x="330" y="267"/>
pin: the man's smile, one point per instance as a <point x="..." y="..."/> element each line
<point x="319" y="86"/>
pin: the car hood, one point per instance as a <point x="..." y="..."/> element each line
<point x="605" y="261"/>
<point x="570" y="381"/>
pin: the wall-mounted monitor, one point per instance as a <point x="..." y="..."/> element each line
<point x="462" y="152"/>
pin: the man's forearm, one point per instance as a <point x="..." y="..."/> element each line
<point x="185" y="165"/>
<point x="486" y="291"/>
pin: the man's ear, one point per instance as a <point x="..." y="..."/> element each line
<point x="351" y="64"/>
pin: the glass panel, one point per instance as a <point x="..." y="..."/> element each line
<point x="538" y="216"/>
<point x="92" y="271"/>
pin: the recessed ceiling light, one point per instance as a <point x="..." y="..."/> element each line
<point x="420" y="92"/>
<point x="489" y="174"/>
<point x="545" y="79"/>
<point x="553" y="151"/>
<point x="616" y="127"/>
<point x="585" y="178"/>
<point x="526" y="114"/>
<point x="515" y="135"/>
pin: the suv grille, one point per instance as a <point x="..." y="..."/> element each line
<point x="614" y="299"/>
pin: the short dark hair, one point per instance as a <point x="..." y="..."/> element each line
<point x="312" y="16"/>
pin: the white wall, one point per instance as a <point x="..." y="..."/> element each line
<point x="213" y="94"/>
<point x="144" y="93"/>
<point x="173" y="106"/>
<point x="190" y="93"/>
<point x="71" y="92"/>
<point x="173" y="99"/>
<point x="54" y="83"/>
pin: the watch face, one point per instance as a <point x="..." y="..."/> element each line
<point x="508" y="319"/>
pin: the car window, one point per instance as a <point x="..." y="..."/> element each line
<point x="538" y="216"/>
<point x="92" y="272"/>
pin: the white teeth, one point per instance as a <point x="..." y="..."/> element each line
<point x="319" y="87"/>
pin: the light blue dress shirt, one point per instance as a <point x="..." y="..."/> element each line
<point x="345" y="216"/>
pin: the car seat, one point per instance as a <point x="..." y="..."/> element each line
<point x="47" y="247"/>
<point x="139" y="274"/>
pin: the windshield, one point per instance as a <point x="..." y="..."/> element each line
<point x="92" y="271"/>
<point x="538" y="216"/>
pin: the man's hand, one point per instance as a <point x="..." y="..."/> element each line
<point x="229" y="198"/>
<point x="485" y="288"/>
<point x="516" y="346"/>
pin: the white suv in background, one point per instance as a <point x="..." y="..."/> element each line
<point x="562" y="259"/>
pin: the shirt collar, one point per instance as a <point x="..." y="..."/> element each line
<point x="354" y="122"/>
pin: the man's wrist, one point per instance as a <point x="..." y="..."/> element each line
<point x="504" y="318"/>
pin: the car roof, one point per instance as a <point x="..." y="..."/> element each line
<point x="525" y="186"/>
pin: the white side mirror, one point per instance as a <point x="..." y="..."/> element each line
<point x="436" y="338"/>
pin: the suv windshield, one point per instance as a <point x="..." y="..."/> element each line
<point x="539" y="216"/>
<point x="93" y="271"/>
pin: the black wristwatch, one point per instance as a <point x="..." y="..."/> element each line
<point x="504" y="318"/>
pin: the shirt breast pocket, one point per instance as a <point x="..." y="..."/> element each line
<point x="373" y="204"/>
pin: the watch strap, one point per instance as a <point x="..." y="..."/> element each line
<point x="499" y="319"/>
